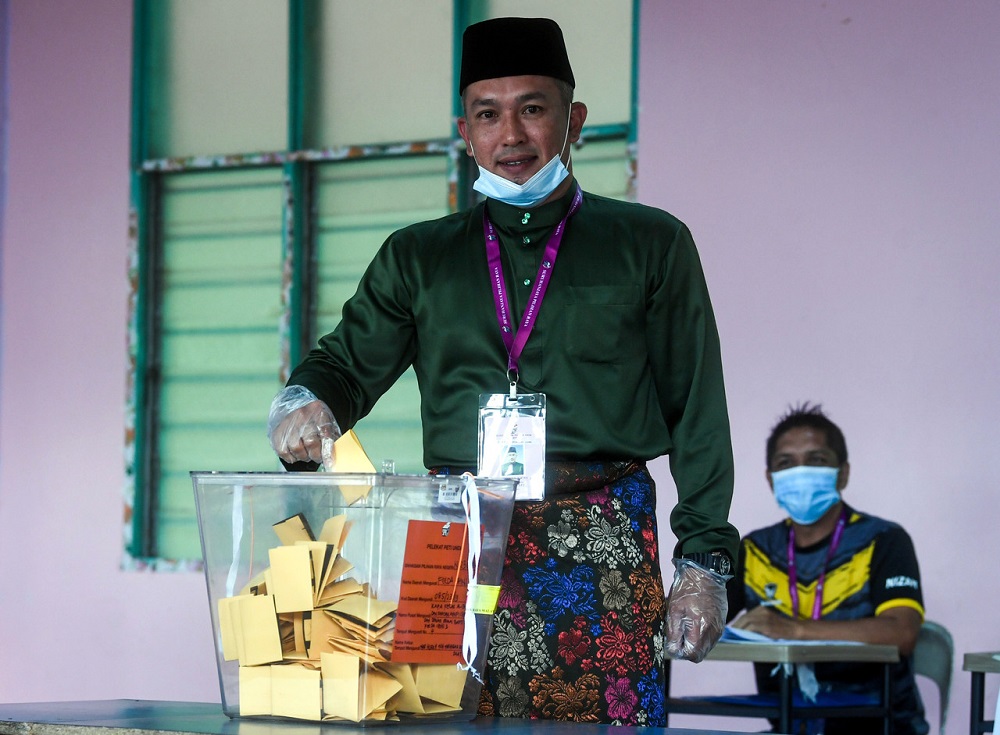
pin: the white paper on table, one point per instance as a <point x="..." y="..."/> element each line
<point x="738" y="635"/>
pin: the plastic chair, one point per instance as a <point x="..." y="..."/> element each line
<point x="932" y="657"/>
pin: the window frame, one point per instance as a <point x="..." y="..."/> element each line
<point x="298" y="164"/>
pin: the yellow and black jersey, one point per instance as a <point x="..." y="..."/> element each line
<point x="873" y="568"/>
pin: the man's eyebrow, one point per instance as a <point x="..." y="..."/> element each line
<point x="521" y="99"/>
<point x="822" y="450"/>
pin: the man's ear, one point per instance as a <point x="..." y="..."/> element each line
<point x="577" y="117"/>
<point x="770" y="482"/>
<point x="463" y="130"/>
<point x="843" y="476"/>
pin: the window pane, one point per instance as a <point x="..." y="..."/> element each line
<point x="219" y="77"/>
<point x="359" y="204"/>
<point x="221" y="278"/>
<point x="598" y="37"/>
<point x="384" y="72"/>
<point x="602" y="168"/>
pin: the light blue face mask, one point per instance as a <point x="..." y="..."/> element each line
<point x="533" y="191"/>
<point x="806" y="493"/>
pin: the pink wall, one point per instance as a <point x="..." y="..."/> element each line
<point x="72" y="625"/>
<point x="838" y="164"/>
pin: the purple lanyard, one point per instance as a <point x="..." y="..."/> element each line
<point x="515" y="343"/>
<point x="793" y="577"/>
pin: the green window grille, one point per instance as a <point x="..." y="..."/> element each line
<point x="275" y="145"/>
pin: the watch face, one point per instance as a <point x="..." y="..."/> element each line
<point x="718" y="562"/>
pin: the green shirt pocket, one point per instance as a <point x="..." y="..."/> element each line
<point x="605" y="324"/>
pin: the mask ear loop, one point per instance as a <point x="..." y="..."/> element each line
<point x="569" y="124"/>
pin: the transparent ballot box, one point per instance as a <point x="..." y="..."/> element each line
<point x="350" y="597"/>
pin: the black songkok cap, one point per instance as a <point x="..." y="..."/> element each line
<point x="511" y="47"/>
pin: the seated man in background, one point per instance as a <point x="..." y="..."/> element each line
<point x="830" y="572"/>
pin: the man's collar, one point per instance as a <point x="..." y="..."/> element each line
<point x="505" y="216"/>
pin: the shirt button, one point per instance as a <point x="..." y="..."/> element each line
<point x="527" y="281"/>
<point x="526" y="240"/>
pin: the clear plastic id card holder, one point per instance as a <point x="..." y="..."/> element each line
<point x="512" y="440"/>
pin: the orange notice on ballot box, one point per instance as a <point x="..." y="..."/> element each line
<point x="430" y="618"/>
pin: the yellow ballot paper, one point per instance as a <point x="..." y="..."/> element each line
<point x="296" y="692"/>
<point x="369" y="611"/>
<point x="442" y="683"/>
<point x="249" y="629"/>
<point x="341" y="685"/>
<point x="294" y="529"/>
<point x="353" y="693"/>
<point x="347" y="455"/>
<point x="407" y="699"/>
<point x="376" y="690"/>
<point x="333" y="531"/>
<point x="255" y="690"/>
<point x="291" y="578"/>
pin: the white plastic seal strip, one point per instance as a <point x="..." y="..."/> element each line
<point x="805" y="674"/>
<point x="234" y="568"/>
<point x="470" y="639"/>
<point x="808" y="684"/>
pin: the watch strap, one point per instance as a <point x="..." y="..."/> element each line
<point x="717" y="561"/>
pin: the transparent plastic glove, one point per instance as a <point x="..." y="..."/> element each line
<point x="696" y="611"/>
<point x="301" y="427"/>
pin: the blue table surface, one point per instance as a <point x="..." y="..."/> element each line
<point x="139" y="716"/>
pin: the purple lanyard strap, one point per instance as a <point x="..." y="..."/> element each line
<point x="793" y="577"/>
<point x="514" y="342"/>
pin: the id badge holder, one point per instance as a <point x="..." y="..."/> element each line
<point x="512" y="440"/>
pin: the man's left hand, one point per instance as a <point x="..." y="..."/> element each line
<point x="767" y="622"/>
<point x="696" y="611"/>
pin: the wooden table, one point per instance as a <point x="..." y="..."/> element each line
<point x="140" y="717"/>
<point x="980" y="664"/>
<point x="792" y="653"/>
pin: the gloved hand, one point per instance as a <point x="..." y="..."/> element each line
<point x="298" y="425"/>
<point x="696" y="611"/>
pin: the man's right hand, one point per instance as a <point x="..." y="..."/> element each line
<point x="696" y="611"/>
<point x="298" y="424"/>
